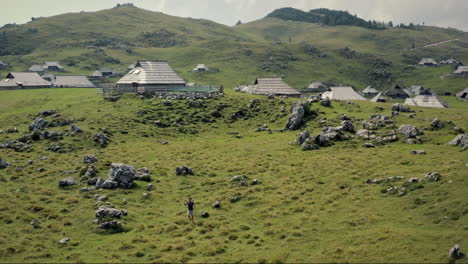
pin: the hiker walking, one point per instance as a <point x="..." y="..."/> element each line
<point x="190" y="206"/>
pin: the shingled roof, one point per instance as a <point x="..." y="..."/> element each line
<point x="427" y="61"/>
<point x="24" y="79"/>
<point x="36" y="68"/>
<point x="316" y="87"/>
<point x="370" y="90"/>
<point x="429" y="99"/>
<point x="379" y="98"/>
<point x="463" y="95"/>
<point x="342" y="93"/>
<point x="52" y="64"/>
<point x="398" y="92"/>
<point x="152" y="72"/>
<point x="200" y="67"/>
<point x="461" y="70"/>
<point x="72" y="81"/>
<point x="274" y="86"/>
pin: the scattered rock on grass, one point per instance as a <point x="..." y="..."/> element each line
<point x="455" y="252"/>
<point x="297" y="115"/>
<point x="123" y="174"/>
<point x="368" y="145"/>
<point x="401" y="108"/>
<point x="143" y="174"/>
<point x="90" y="158"/>
<point x="436" y="123"/>
<point x="418" y="152"/>
<point x="104" y="211"/>
<point x="75" y="130"/>
<point x="67" y="182"/>
<point x="216" y="204"/>
<point x="38" y="124"/>
<point x="3" y="164"/>
<point x="101" y="139"/>
<point x="183" y="170"/>
<point x="205" y="215"/>
<point x="64" y="241"/>
<point x="150" y="187"/>
<point x="433" y="176"/>
<point x="35" y="223"/>
<point x="240" y="180"/>
<point x="460" y="140"/>
<point x="410" y="131"/>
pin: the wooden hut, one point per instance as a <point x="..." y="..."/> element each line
<point x="23" y="80"/>
<point x="398" y="93"/>
<point x="370" y="91"/>
<point x="272" y="86"/>
<point x="53" y="66"/>
<point x="427" y="62"/>
<point x="36" y="68"/>
<point x="463" y="95"/>
<point x="342" y="93"/>
<point x="153" y="75"/>
<point x="427" y="99"/>
<point x="462" y="71"/>
<point x="379" y="98"/>
<point x="200" y="68"/>
<point x="317" y="87"/>
<point x="72" y="81"/>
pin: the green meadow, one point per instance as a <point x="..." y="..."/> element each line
<point x="310" y="206"/>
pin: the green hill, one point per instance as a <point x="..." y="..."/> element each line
<point x="300" y="52"/>
<point x="310" y="206"/>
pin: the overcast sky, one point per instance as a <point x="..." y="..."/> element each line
<point x="443" y="13"/>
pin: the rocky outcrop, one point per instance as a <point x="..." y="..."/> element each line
<point x="460" y="140"/>
<point x="328" y="135"/>
<point x="302" y="137"/>
<point x="410" y="131"/>
<point x="436" y="123"/>
<point x="401" y="108"/>
<point x="90" y="158"/>
<point x="75" y="130"/>
<point x="297" y="115"/>
<point x="122" y="174"/>
<point x="16" y="145"/>
<point x="46" y="113"/>
<point x="240" y="180"/>
<point x="38" y="124"/>
<point x="347" y="125"/>
<point x="433" y="176"/>
<point x="54" y="135"/>
<point x="325" y="102"/>
<point x="101" y="139"/>
<point x="67" y="182"/>
<point x="103" y="212"/>
<point x="365" y="134"/>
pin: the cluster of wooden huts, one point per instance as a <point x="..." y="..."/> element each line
<point x="43" y="76"/>
<point x="145" y="76"/>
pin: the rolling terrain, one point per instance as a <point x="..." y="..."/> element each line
<point x="315" y="202"/>
<point x="300" y="52"/>
<point x="324" y="205"/>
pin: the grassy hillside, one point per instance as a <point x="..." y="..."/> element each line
<point x="298" y="51"/>
<point x="310" y="206"/>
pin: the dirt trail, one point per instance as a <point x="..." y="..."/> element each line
<point x="436" y="44"/>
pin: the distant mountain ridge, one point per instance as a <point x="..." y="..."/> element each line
<point x="324" y="16"/>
